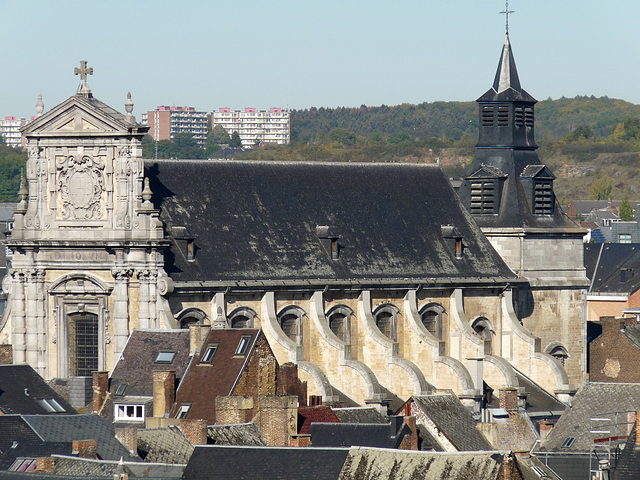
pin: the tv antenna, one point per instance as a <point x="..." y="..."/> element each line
<point x="506" y="13"/>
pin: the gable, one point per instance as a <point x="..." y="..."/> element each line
<point x="487" y="171"/>
<point x="538" y="172"/>
<point x="79" y="116"/>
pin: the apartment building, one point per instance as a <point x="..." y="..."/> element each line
<point x="255" y="126"/>
<point x="164" y="122"/>
<point x="10" y="131"/>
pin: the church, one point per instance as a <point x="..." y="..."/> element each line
<point x="378" y="280"/>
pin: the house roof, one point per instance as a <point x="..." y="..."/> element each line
<point x="309" y="415"/>
<point x="531" y="466"/>
<point x="539" y="401"/>
<point x="363" y="434"/>
<point x="266" y="463"/>
<point x="628" y="466"/>
<point x="62" y="428"/>
<point x="242" y="434"/>
<point x="164" y="445"/>
<point x="380" y="464"/>
<point x="599" y="401"/>
<point x="359" y="415"/>
<point x="205" y="380"/>
<point x="254" y="222"/>
<point x="21" y="389"/>
<point x="6" y="211"/>
<point x="31" y="450"/>
<point x="612" y="267"/>
<point x="67" y="465"/>
<point x="137" y="363"/>
<point x="453" y="420"/>
<point x="632" y="333"/>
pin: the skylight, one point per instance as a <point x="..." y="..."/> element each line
<point x="50" y="405"/>
<point x="243" y="344"/>
<point x="165" y="357"/>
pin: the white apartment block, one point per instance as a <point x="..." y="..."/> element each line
<point x="165" y="122"/>
<point x="255" y="126"/>
<point x="10" y="131"/>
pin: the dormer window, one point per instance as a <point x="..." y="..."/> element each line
<point x="537" y="181"/>
<point x="486" y="188"/>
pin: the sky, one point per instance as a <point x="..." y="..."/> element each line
<point x="308" y="53"/>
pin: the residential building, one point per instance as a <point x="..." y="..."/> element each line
<point x="10" y="131"/>
<point x="255" y="126"/>
<point x="165" y="122"/>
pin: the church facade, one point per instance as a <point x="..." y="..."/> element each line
<point x="375" y="279"/>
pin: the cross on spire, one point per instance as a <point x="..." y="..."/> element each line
<point x="506" y="13"/>
<point x="83" y="71"/>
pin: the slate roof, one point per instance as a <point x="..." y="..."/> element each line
<point x="242" y="434"/>
<point x="66" y="465"/>
<point x="605" y="263"/>
<point x="265" y="463"/>
<point x="528" y="466"/>
<point x="632" y="333"/>
<point x="164" y="445"/>
<point x="308" y="415"/>
<point x="6" y="211"/>
<point x="62" y="428"/>
<point x="256" y="222"/>
<point x="378" y="464"/>
<point x="136" y="366"/>
<point x="628" y="466"/>
<point x="27" y="449"/>
<point x="20" y="389"/>
<point x="453" y="420"/>
<point x="594" y="400"/>
<point x="204" y="381"/>
<point x="359" y="415"/>
<point x="351" y="434"/>
<point x="539" y="401"/>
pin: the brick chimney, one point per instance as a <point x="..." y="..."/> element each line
<point x="164" y="391"/>
<point x="195" y="430"/>
<point x="638" y="428"/>
<point x="545" y="428"/>
<point x="278" y="419"/>
<point x="509" y="399"/>
<point x="234" y="409"/>
<point x="197" y="335"/>
<point x="85" y="448"/>
<point x="410" y="441"/>
<point x="128" y="436"/>
<point x="100" y="390"/>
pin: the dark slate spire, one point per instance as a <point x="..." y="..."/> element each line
<point x="499" y="189"/>
<point x="506" y="85"/>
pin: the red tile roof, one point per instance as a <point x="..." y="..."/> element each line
<point x="308" y="415"/>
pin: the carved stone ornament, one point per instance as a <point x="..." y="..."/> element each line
<point x="81" y="182"/>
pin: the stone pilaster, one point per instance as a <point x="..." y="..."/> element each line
<point x="18" y="329"/>
<point x="120" y="309"/>
<point x="42" y="324"/>
<point x="144" y="298"/>
<point x="153" y="298"/>
<point x="32" y="318"/>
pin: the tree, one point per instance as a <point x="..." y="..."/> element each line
<point x="399" y="137"/>
<point x="236" y="141"/>
<point x="601" y="188"/>
<point x="185" y="146"/>
<point x="342" y="136"/>
<point x="12" y="162"/>
<point x="632" y="128"/>
<point x="218" y="135"/>
<point x="626" y="211"/>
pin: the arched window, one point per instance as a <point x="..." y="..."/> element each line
<point x="83" y="340"/>
<point x="339" y="318"/>
<point x="191" y="316"/>
<point x="386" y="318"/>
<point x="431" y="316"/>
<point x="290" y="319"/>
<point x="242" y="317"/>
<point x="483" y="328"/>
<point x="558" y="351"/>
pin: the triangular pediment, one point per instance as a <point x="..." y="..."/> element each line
<point x="539" y="172"/>
<point x="79" y="116"/>
<point x="487" y="171"/>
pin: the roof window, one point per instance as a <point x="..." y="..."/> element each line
<point x="568" y="442"/>
<point x="50" y="405"/>
<point x="165" y="357"/>
<point x="209" y="353"/>
<point x="243" y="344"/>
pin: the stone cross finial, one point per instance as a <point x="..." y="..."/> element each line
<point x="506" y="13"/>
<point x="83" y="71"/>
